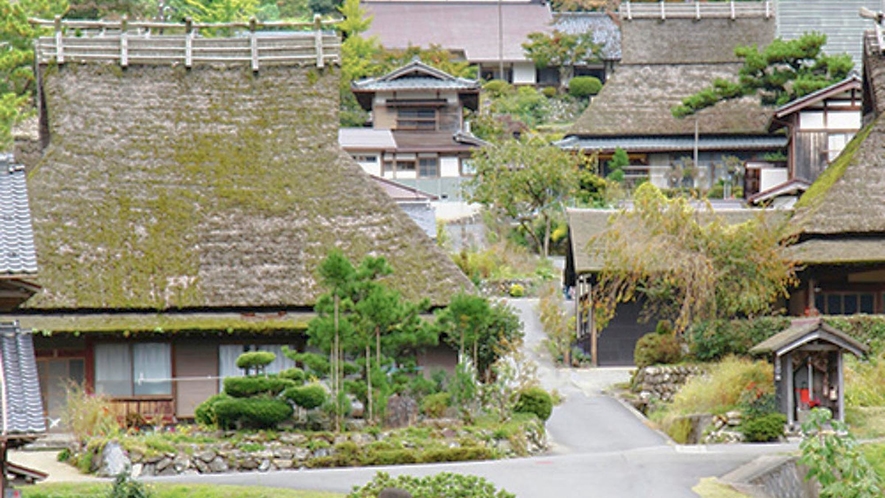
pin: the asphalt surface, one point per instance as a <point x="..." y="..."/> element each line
<point x="599" y="448"/>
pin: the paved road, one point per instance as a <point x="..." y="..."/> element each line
<point x="600" y="448"/>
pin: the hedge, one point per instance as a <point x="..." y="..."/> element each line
<point x="253" y="413"/>
<point x="247" y="387"/>
<point x="255" y="359"/>
<point x="308" y="397"/>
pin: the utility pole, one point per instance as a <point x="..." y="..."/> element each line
<point x="500" y="41"/>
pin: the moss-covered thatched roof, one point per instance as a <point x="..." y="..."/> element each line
<point x="847" y="198"/>
<point x="637" y="99"/>
<point x="214" y="187"/>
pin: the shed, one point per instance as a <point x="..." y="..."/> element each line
<point x="808" y="367"/>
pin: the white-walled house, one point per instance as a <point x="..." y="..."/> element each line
<point x="418" y="136"/>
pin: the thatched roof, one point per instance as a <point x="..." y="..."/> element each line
<point x="210" y="188"/>
<point x="586" y="224"/>
<point x="637" y="99"/>
<point x="848" y="198"/>
<point x="691" y="41"/>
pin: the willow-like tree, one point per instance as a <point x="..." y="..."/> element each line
<point x="524" y="180"/>
<point x="688" y="264"/>
<point x="781" y="72"/>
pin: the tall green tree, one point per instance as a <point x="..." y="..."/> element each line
<point x="17" y="82"/>
<point x="211" y="11"/>
<point x="689" y="265"/>
<point x="561" y="50"/>
<point x="481" y="330"/>
<point x="781" y="72"/>
<point x="523" y="180"/>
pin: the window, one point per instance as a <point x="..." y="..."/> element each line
<point x="228" y="354"/>
<point x="361" y="158"/>
<point x="428" y="167"/>
<point x="847" y="303"/>
<point x="835" y="143"/>
<point x="467" y="167"/>
<point x="416" y="119"/>
<point x="405" y="165"/>
<point x="139" y="369"/>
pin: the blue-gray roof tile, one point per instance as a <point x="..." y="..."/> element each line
<point x="17" y="252"/>
<point x="21" y="406"/>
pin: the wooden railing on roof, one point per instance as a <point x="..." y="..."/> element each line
<point x="695" y="10"/>
<point x="169" y="43"/>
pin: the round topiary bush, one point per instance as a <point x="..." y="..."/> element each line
<point x="308" y="397"/>
<point x="656" y="349"/>
<point x="246" y="387"/>
<point x="255" y="360"/>
<point x="535" y="400"/>
<point x="256" y="413"/>
<point x="296" y="375"/>
<point x="204" y="414"/>
<point x="764" y="428"/>
<point x="517" y="290"/>
<point x="549" y="91"/>
<point x="497" y="87"/>
<point x="582" y="87"/>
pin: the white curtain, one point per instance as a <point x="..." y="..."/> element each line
<point x="152" y="368"/>
<point x="113" y="369"/>
<point x="281" y="362"/>
<point x="227" y="362"/>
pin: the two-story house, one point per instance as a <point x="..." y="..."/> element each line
<point x="418" y="136"/>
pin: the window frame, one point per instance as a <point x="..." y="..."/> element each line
<point x="417" y="118"/>
<point x="134" y="375"/>
<point x="420" y="171"/>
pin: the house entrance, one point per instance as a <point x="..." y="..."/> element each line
<point x="55" y="375"/>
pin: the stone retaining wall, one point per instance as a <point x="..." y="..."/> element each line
<point x="773" y="476"/>
<point x="662" y="382"/>
<point x="294" y="450"/>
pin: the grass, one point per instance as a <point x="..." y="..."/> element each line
<point x="866" y="422"/>
<point x="100" y="490"/>
<point x="721" y="390"/>
<point x="710" y="487"/>
<point x="875" y="454"/>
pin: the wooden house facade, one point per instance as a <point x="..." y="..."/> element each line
<point x="418" y="136"/>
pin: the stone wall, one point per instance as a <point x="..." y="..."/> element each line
<point x="662" y="382"/>
<point x="256" y="452"/>
<point x="773" y="476"/>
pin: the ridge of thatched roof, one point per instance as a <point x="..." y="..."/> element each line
<point x="165" y="188"/>
<point x="874" y="75"/>
<point x="637" y="100"/>
<point x="848" y="198"/>
<point x="653" y="40"/>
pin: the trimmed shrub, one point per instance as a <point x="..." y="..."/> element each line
<point x="247" y="387"/>
<point x="296" y="375"/>
<point x="549" y="91"/>
<point x="535" y="400"/>
<point x="435" y="405"/>
<point x="392" y="457"/>
<point x="517" y="290"/>
<point x="764" y="428"/>
<point x="582" y="87"/>
<point x="656" y="349"/>
<point x="443" y="485"/>
<point x="497" y="87"/>
<point x="204" y="414"/>
<point x="308" y="397"/>
<point x="459" y="454"/>
<point x="255" y="360"/>
<point x="254" y="413"/>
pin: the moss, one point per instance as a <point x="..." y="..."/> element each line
<point x="816" y="192"/>
<point x="158" y="324"/>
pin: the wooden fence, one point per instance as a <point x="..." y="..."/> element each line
<point x="168" y="43"/>
<point x="695" y="10"/>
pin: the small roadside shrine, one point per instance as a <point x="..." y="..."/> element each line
<point x="808" y="367"/>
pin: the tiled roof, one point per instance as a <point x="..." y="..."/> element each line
<point x="21" y="408"/>
<point x="468" y="27"/>
<point x="365" y="138"/>
<point x="605" y="30"/>
<point x="416" y="76"/>
<point x="675" y="143"/>
<point x="400" y="192"/>
<point x="17" y="253"/>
